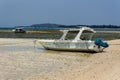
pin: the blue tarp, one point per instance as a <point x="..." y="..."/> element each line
<point x="100" y="42"/>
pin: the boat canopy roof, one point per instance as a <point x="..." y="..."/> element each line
<point x="85" y="29"/>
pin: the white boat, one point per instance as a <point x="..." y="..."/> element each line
<point x="19" y="30"/>
<point x="81" y="40"/>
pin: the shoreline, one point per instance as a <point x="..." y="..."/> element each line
<point x="52" y="31"/>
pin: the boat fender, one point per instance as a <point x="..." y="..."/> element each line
<point x="100" y="42"/>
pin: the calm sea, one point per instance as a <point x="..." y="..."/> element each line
<point x="105" y="36"/>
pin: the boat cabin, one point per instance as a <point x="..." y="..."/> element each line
<point x="84" y="33"/>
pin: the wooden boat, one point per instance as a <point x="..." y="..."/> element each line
<point x="81" y="40"/>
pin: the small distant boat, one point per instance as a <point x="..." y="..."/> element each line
<point x="19" y="30"/>
<point x="82" y="41"/>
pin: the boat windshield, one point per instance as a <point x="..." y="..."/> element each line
<point x="86" y="35"/>
<point x="71" y="35"/>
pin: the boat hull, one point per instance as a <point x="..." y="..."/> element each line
<point x="66" y="45"/>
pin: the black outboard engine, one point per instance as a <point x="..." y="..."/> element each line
<point x="99" y="42"/>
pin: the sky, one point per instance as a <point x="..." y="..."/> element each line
<point x="66" y="12"/>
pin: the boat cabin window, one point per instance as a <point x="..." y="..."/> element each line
<point x="71" y="35"/>
<point x="86" y="35"/>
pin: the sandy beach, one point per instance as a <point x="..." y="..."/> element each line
<point x="21" y="59"/>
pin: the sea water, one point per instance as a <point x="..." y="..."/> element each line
<point x="103" y="35"/>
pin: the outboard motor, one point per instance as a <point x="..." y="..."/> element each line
<point x="99" y="42"/>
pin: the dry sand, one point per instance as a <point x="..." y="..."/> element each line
<point x="21" y="60"/>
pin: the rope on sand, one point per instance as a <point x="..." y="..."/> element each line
<point x="34" y="43"/>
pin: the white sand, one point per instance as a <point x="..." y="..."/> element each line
<point x="19" y="60"/>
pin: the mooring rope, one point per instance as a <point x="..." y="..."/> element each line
<point x="34" y="43"/>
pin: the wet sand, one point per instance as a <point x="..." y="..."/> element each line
<point x="20" y="59"/>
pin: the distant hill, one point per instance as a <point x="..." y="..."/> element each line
<point x="50" y="26"/>
<point x="46" y="26"/>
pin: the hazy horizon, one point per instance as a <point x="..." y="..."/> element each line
<point x="66" y="12"/>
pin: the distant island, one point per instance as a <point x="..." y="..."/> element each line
<point x="51" y="26"/>
<point x="46" y="26"/>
